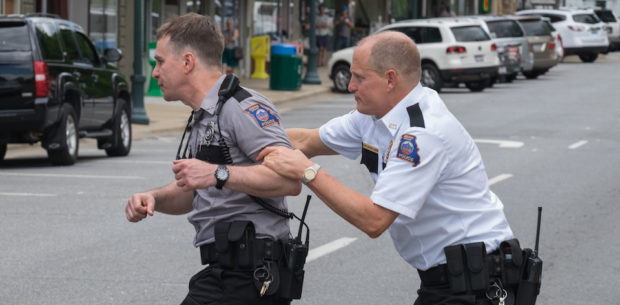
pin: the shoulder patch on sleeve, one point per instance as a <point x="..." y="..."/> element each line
<point x="408" y="149"/>
<point x="263" y="116"/>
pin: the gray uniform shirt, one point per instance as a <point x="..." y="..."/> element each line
<point x="247" y="127"/>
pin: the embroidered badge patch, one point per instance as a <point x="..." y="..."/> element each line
<point x="408" y="149"/>
<point x="263" y="116"/>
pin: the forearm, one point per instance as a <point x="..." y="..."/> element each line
<point x="261" y="181"/>
<point x="171" y="199"/>
<point x="308" y="141"/>
<point x="354" y="207"/>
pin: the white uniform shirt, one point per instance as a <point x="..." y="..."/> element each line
<point x="428" y="169"/>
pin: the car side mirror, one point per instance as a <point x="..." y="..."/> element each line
<point x="112" y="55"/>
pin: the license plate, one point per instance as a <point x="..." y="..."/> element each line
<point x="479" y="58"/>
<point x="502" y="70"/>
<point x="594" y="32"/>
<point x="538" y="47"/>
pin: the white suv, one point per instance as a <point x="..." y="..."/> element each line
<point x="582" y="32"/>
<point x="613" y="27"/>
<point x="452" y="50"/>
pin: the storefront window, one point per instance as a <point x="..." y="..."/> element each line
<point x="9" y="7"/>
<point x="102" y="23"/>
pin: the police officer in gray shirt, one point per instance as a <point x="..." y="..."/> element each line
<point x="215" y="183"/>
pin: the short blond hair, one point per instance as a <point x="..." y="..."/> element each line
<point x="394" y="50"/>
<point x="197" y="32"/>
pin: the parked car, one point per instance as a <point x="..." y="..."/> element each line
<point x="582" y="33"/>
<point x="541" y="43"/>
<point x="452" y="50"/>
<point x="559" y="47"/>
<point x="613" y="27"/>
<point x="511" y="43"/>
<point x="55" y="88"/>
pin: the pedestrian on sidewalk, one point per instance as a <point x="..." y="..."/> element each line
<point x="231" y="34"/>
<point x="431" y="188"/>
<point x="322" y="25"/>
<point x="214" y="184"/>
<point x="342" y="29"/>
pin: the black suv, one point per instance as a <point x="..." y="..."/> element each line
<point x="55" y="88"/>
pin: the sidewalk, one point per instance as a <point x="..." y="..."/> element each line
<point x="171" y="117"/>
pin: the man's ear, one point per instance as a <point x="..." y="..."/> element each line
<point x="189" y="61"/>
<point x="391" y="76"/>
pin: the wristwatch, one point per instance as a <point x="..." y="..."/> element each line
<point x="221" y="175"/>
<point x="310" y="173"/>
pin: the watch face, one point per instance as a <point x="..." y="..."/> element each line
<point x="221" y="174"/>
<point x="309" y="174"/>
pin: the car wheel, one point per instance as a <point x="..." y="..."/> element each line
<point x="476" y="86"/>
<point x="121" y="137"/>
<point x="588" y="57"/>
<point x="2" y="151"/>
<point x="531" y="74"/>
<point x="430" y="77"/>
<point x="342" y="77"/>
<point x="67" y="153"/>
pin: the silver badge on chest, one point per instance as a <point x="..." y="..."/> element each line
<point x="209" y="134"/>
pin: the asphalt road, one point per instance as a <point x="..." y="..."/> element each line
<point x="551" y="142"/>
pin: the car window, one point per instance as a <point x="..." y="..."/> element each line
<point x="14" y="37"/>
<point x="606" y="16"/>
<point x="505" y="28"/>
<point x="535" y="28"/>
<point x="49" y="41"/>
<point x="554" y="18"/>
<point x="70" y="45"/>
<point x="585" y="18"/>
<point x="88" y="51"/>
<point x="470" y="33"/>
<point x="421" y="35"/>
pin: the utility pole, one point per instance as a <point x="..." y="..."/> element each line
<point x="138" y="115"/>
<point x="312" y="76"/>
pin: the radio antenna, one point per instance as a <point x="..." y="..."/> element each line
<point x="538" y="230"/>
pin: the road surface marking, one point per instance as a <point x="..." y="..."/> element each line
<point x="329" y="248"/>
<point x="499" y="178"/>
<point x="72" y="176"/>
<point x="28" y="194"/>
<point x="503" y="144"/>
<point x="577" y="144"/>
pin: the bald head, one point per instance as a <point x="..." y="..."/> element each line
<point x="393" y="50"/>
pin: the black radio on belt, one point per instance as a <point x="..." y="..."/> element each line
<point x="529" y="286"/>
<point x="295" y="252"/>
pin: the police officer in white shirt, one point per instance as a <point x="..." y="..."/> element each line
<point x="431" y="189"/>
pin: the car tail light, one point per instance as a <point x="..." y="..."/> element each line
<point x="576" y="28"/>
<point x="551" y="45"/>
<point x="41" y="79"/>
<point x="455" y="49"/>
<point x="493" y="47"/>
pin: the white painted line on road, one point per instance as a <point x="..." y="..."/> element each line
<point x="577" y="144"/>
<point x="329" y="248"/>
<point x="501" y="143"/>
<point x="28" y="194"/>
<point x="72" y="176"/>
<point x="499" y="178"/>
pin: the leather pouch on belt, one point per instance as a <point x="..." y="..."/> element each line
<point x="511" y="258"/>
<point x="476" y="264"/>
<point x="456" y="268"/>
<point x="234" y="242"/>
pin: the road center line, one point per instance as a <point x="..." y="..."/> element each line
<point x="28" y="194"/>
<point x="501" y="143"/>
<point x="73" y="176"/>
<point x="329" y="248"/>
<point x="499" y="178"/>
<point x="577" y="144"/>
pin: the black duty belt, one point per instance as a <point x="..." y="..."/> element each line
<point x="264" y="249"/>
<point x="438" y="275"/>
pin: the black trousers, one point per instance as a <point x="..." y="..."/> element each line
<point x="216" y="286"/>
<point x="441" y="295"/>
